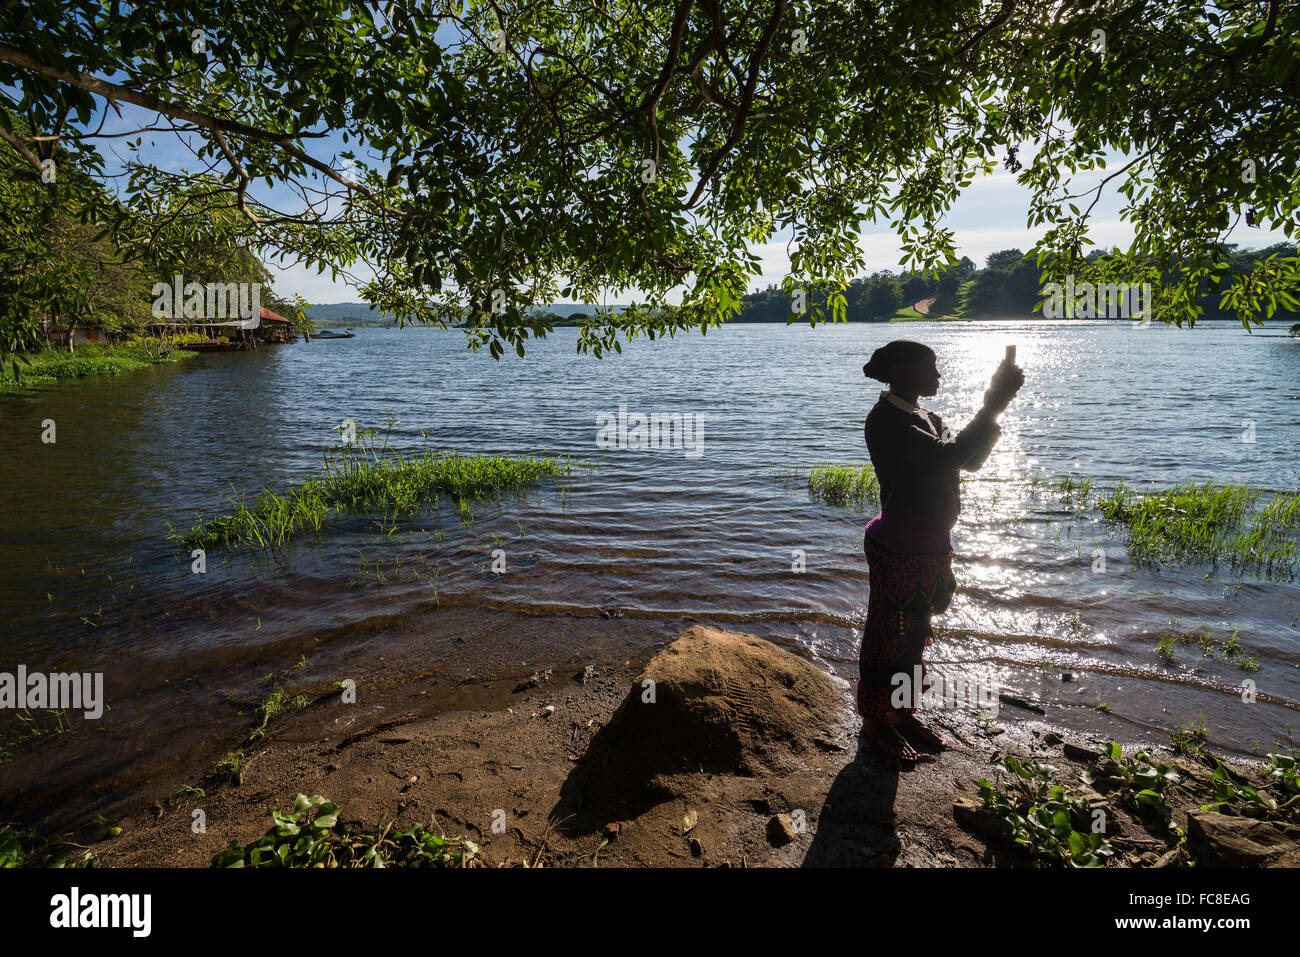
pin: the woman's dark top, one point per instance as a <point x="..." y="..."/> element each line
<point x="919" y="473"/>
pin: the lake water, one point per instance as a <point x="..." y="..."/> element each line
<point x="627" y="554"/>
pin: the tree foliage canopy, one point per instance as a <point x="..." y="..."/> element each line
<point x="511" y="153"/>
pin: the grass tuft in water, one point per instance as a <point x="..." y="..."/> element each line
<point x="368" y="477"/>
<point x="844" y="484"/>
<point x="1210" y="523"/>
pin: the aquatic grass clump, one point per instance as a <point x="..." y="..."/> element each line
<point x="1073" y="492"/>
<point x="277" y="703"/>
<point x="268" y="523"/>
<point x="1210" y="523"/>
<point x="1229" y="649"/>
<point x="844" y="484"/>
<point x="366" y="477"/>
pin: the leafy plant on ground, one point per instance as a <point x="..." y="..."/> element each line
<point x="1277" y="798"/>
<point x="307" y="837"/>
<point x="1138" y="781"/>
<point x="1044" y="817"/>
<point x="228" y="769"/>
<point x="23" y="847"/>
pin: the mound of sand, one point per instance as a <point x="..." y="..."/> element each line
<point x="726" y="703"/>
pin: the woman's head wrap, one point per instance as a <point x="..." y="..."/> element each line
<point x="892" y="355"/>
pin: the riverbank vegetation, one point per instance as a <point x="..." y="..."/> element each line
<point x="1249" y="530"/>
<point x="368" y="476"/>
<point x="51" y="366"/>
<point x="73" y="285"/>
<point x="843" y="485"/>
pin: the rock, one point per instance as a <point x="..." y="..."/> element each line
<point x="612" y="830"/>
<point x="533" y="681"/>
<point x="1076" y="753"/>
<point x="723" y="703"/>
<point x="780" y="830"/>
<point x="1052" y="739"/>
<point x="1096" y="802"/>
<point x="586" y="674"/>
<point x="1020" y="703"/>
<point x="974" y="815"/>
<point x="688" y="821"/>
<point x="1221" y="840"/>
<point x="697" y="849"/>
<point x="1169" y="857"/>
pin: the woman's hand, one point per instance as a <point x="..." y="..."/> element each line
<point x="1007" y="381"/>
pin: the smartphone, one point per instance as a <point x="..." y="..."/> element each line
<point x="1011" y="356"/>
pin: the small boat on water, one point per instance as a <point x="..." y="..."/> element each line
<point x="327" y="334"/>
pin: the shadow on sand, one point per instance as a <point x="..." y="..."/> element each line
<point x="856" y="826"/>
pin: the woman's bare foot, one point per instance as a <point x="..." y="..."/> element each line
<point x="906" y="722"/>
<point x="882" y="733"/>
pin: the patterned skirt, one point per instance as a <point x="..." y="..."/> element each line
<point x="905" y="590"/>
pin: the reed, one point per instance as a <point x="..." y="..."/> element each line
<point x="367" y="477"/>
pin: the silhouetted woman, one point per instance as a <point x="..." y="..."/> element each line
<point x="909" y="544"/>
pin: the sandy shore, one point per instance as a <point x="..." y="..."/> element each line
<point x="517" y="780"/>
